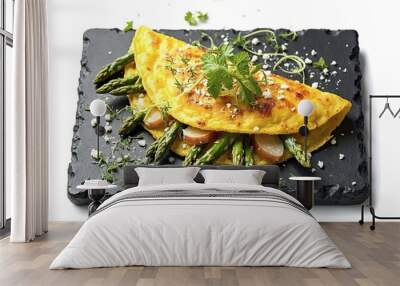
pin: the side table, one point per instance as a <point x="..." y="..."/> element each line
<point x="305" y="190"/>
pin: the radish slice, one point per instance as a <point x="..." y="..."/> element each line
<point x="268" y="147"/>
<point x="154" y="119"/>
<point x="196" y="136"/>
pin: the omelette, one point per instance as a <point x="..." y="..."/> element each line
<point x="170" y="71"/>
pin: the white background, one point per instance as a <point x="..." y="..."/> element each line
<point x="377" y="24"/>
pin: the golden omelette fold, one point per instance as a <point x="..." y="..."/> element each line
<point x="275" y="115"/>
<point x="160" y="62"/>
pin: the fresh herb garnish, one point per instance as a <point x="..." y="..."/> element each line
<point x="320" y="64"/>
<point x="194" y="19"/>
<point x="289" y="36"/>
<point x="190" y="18"/>
<point x="128" y="26"/>
<point x="203" y="17"/>
<point x="299" y="65"/>
<point x="222" y="67"/>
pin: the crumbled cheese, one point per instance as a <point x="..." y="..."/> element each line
<point x="320" y="164"/>
<point x="256" y="128"/>
<point x="313" y="53"/>
<point x="222" y="36"/>
<point x="313" y="170"/>
<point x="284" y="86"/>
<point x="321" y="77"/>
<point x="267" y="93"/>
<point x="333" y="63"/>
<point x="314" y="85"/>
<point x="334" y="73"/>
<point x="308" y="61"/>
<point x="293" y="109"/>
<point x="93" y="122"/>
<point x="109" y="52"/>
<point x="354" y="183"/>
<point x="141" y="143"/>
<point x="345" y="70"/>
<point x="267" y="73"/>
<point x="259" y="52"/>
<point x="347" y="45"/>
<point x="228" y="105"/>
<point x="184" y="145"/>
<point x="108" y="128"/>
<point x="333" y="141"/>
<point x="107" y="138"/>
<point x="283" y="47"/>
<point x="254" y="58"/>
<point x="94" y="154"/>
<point x="281" y="96"/>
<point x="341" y="156"/>
<point x="119" y="159"/>
<point x="171" y="160"/>
<point x="325" y="71"/>
<point x="255" y="41"/>
<point x="265" y="66"/>
<point x="265" y="56"/>
<point x="141" y="95"/>
<point x="341" y="134"/>
<point x="126" y="157"/>
<point x="107" y="117"/>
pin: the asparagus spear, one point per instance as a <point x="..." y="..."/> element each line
<point x="115" y="83"/>
<point x="151" y="151"/>
<point x="297" y="151"/>
<point x="220" y="146"/>
<point x="117" y="65"/>
<point x="248" y="152"/>
<point x="238" y="151"/>
<point x="129" y="124"/>
<point x="167" y="139"/>
<point x="193" y="154"/>
<point x="127" y="89"/>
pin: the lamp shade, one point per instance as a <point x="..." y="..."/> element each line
<point x="98" y="107"/>
<point x="305" y="107"/>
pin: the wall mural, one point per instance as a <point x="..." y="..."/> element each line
<point x="223" y="97"/>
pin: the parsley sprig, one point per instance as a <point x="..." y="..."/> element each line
<point x="222" y="67"/>
<point x="193" y="19"/>
<point x="128" y="26"/>
<point x="320" y="64"/>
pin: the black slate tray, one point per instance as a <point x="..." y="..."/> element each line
<point x="344" y="182"/>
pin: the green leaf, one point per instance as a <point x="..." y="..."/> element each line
<point x="320" y="64"/>
<point x="221" y="66"/>
<point x="241" y="61"/>
<point x="128" y="26"/>
<point x="203" y="17"/>
<point x="289" y="36"/>
<point x="190" y="18"/>
<point x="239" y="41"/>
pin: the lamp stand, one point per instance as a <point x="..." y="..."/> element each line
<point x="100" y="131"/>
<point x="304" y="132"/>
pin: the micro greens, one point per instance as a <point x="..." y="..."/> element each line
<point x="244" y="41"/>
<point x="203" y="17"/>
<point x="193" y="19"/>
<point x="289" y="36"/>
<point x="128" y="26"/>
<point x="320" y="64"/>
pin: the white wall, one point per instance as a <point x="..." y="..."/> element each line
<point x="377" y="24"/>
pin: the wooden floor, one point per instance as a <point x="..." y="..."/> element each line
<point x="375" y="257"/>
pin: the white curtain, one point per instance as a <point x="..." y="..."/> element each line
<point x="28" y="115"/>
